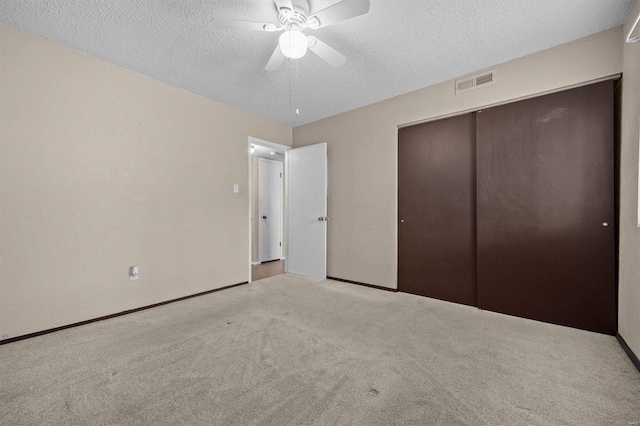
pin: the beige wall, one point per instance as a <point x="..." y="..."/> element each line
<point x="363" y="148"/>
<point x="629" y="284"/>
<point x="102" y="168"/>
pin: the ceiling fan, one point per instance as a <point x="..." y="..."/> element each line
<point x="293" y="19"/>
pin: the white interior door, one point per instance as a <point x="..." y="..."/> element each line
<point x="307" y="211"/>
<point x="270" y="210"/>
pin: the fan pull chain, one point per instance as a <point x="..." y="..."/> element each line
<point x="297" y="110"/>
<point x="290" y="87"/>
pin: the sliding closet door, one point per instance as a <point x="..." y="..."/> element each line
<point x="545" y="194"/>
<point x="436" y="199"/>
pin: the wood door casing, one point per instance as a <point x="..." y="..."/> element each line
<point x="545" y="187"/>
<point x="436" y="210"/>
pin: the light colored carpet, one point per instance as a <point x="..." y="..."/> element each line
<point x="287" y="350"/>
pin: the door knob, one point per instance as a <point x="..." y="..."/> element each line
<point x="401" y="220"/>
<point x="321" y="219"/>
<point x="605" y="224"/>
<point x="264" y="217"/>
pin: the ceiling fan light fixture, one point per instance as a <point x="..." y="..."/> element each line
<point x="293" y="44"/>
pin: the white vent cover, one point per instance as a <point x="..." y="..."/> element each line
<point x="476" y="82"/>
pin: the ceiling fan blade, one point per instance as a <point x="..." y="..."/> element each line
<point x="283" y="4"/>
<point x="329" y="54"/>
<point x="346" y="9"/>
<point x="276" y="60"/>
<point x="233" y="24"/>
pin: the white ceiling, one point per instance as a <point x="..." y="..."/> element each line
<point x="398" y="47"/>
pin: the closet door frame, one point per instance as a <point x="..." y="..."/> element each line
<point x="611" y="323"/>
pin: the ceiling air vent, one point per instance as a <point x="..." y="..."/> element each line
<point x="476" y="82"/>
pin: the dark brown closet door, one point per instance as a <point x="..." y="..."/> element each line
<point x="436" y="199"/>
<point x="546" y="239"/>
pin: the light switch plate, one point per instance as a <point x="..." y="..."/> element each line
<point x="236" y="188"/>
<point x="133" y="273"/>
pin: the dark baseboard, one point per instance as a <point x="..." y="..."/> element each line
<point x="130" y="311"/>
<point x="363" y="284"/>
<point x="627" y="349"/>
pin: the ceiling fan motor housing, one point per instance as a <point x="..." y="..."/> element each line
<point x="296" y="18"/>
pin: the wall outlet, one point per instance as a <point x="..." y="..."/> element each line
<point x="236" y="188"/>
<point x="133" y="273"/>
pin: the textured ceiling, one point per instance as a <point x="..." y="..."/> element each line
<point x="398" y="47"/>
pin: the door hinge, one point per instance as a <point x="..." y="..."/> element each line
<point x="280" y="244"/>
<point x="280" y="174"/>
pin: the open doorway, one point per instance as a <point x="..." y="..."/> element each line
<point x="267" y="208"/>
<point x="287" y="218"/>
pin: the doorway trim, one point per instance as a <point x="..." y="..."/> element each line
<point x="277" y="147"/>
